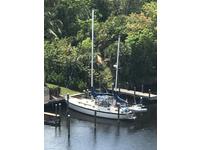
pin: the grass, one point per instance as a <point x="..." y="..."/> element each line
<point x="63" y="89"/>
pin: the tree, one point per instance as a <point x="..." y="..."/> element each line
<point x="68" y="41"/>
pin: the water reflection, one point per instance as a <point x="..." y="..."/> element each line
<point x="108" y="134"/>
<point x="118" y="130"/>
<point x="95" y="135"/>
<point x="69" y="142"/>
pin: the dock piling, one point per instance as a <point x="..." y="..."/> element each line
<point x="142" y="88"/>
<point x="57" y="118"/>
<point x="56" y="111"/>
<point x="68" y="125"/>
<point x="87" y="93"/>
<point x="141" y="100"/>
<point x="127" y="86"/>
<point x="67" y="104"/>
<point x="134" y="95"/>
<point x="59" y="113"/>
<point x="95" y="115"/>
<point x="59" y="106"/>
<point x="149" y="93"/>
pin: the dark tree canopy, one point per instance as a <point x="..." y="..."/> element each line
<point x="67" y="45"/>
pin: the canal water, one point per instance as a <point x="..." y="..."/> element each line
<point x="108" y="135"/>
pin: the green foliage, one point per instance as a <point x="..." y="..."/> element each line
<point x="106" y="77"/>
<point x="67" y="45"/>
<point x="141" y="41"/>
<point x="150" y="10"/>
<point x="63" y="90"/>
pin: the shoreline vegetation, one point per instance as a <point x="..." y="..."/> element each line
<point x="67" y="43"/>
<point x="63" y="90"/>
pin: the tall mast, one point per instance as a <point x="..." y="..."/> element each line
<point x="92" y="48"/>
<point x="117" y="65"/>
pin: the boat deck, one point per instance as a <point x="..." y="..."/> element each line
<point x="90" y="104"/>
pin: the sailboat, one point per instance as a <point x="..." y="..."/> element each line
<point x="138" y="108"/>
<point x="103" y="105"/>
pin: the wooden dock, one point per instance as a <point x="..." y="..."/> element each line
<point x="54" y="100"/>
<point x="51" y="119"/>
<point x="137" y="93"/>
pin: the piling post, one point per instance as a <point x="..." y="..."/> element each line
<point x="68" y="97"/>
<point x="68" y="125"/>
<point x="59" y="91"/>
<point x="134" y="95"/>
<point x="141" y="100"/>
<point x="118" y="113"/>
<point x="52" y="106"/>
<point x="87" y="93"/>
<point x="95" y="115"/>
<point x="67" y="103"/>
<point x="59" y="113"/>
<point x="56" y="112"/>
<point x="142" y="88"/>
<point x="149" y="93"/>
<point x="127" y="86"/>
<point x="59" y="106"/>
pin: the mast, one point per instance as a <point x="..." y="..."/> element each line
<point x="92" y="49"/>
<point x="117" y="65"/>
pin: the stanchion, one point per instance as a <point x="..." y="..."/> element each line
<point x="113" y="87"/>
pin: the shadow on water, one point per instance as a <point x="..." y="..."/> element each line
<point x="142" y="120"/>
<point x="123" y="123"/>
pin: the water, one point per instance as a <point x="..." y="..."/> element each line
<point x="138" y="135"/>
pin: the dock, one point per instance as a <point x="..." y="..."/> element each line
<point x="51" y="119"/>
<point x="54" y="100"/>
<point x="150" y="96"/>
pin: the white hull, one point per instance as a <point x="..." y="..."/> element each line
<point x="138" y="108"/>
<point x="89" y="108"/>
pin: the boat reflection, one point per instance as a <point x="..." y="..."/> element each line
<point x="130" y="125"/>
